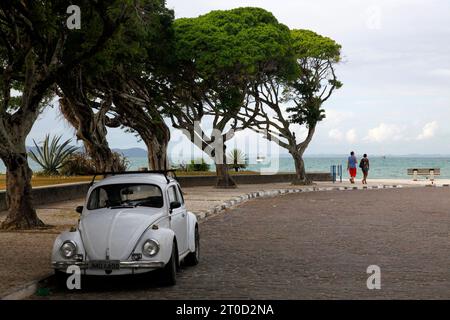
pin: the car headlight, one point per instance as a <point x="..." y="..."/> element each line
<point x="150" y="248"/>
<point x="68" y="249"/>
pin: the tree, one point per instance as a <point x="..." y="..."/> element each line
<point x="291" y="103"/>
<point x="220" y="57"/>
<point x="116" y="88"/>
<point x="36" y="46"/>
<point x="141" y="114"/>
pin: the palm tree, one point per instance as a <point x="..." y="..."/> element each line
<point x="52" y="156"/>
<point x="237" y="159"/>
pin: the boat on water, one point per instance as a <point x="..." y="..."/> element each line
<point x="260" y="159"/>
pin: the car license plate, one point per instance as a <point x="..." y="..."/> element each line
<point x="105" y="264"/>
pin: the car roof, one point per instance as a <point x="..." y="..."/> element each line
<point x="151" y="178"/>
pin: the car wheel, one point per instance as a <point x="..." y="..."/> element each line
<point x="193" y="258"/>
<point x="169" y="272"/>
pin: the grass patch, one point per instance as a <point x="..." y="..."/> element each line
<point x="40" y="181"/>
<point x="210" y="173"/>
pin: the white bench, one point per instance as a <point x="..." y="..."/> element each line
<point x="430" y="173"/>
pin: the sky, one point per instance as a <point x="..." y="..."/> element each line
<point x="395" y="70"/>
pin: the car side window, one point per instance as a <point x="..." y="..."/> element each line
<point x="173" y="196"/>
<point x="180" y="195"/>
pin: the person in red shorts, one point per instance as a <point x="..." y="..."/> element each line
<point x="351" y="166"/>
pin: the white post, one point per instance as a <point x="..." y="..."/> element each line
<point x="432" y="176"/>
<point x="415" y="175"/>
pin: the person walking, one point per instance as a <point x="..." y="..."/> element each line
<point x="351" y="166"/>
<point x="365" y="166"/>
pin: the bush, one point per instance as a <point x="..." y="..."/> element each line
<point x="198" y="165"/>
<point x="120" y="161"/>
<point x="80" y="164"/>
<point x="237" y="159"/>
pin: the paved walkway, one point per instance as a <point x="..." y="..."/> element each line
<point x="314" y="245"/>
<point x="25" y="255"/>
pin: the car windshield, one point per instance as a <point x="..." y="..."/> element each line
<point x="125" y="195"/>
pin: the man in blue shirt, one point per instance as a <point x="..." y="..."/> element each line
<point x="351" y="166"/>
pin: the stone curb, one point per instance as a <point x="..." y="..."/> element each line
<point x="228" y="204"/>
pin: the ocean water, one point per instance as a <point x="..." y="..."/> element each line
<point x="390" y="167"/>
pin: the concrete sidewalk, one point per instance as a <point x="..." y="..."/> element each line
<point x="25" y="255"/>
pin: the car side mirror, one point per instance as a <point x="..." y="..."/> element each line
<point x="79" y="209"/>
<point x="175" y="205"/>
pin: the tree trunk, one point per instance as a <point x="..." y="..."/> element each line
<point x="101" y="155"/>
<point x="224" y="180"/>
<point x="300" y="172"/>
<point x="91" y="129"/>
<point x="157" y="143"/>
<point x="21" y="214"/>
<point x="297" y="152"/>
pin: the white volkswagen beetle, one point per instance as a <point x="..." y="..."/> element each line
<point x="131" y="223"/>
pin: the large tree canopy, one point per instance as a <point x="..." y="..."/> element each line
<point x="115" y="76"/>
<point x="293" y="102"/>
<point x="36" y="47"/>
<point x="220" y="56"/>
<point x="242" y="41"/>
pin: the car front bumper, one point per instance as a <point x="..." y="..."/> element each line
<point x="63" y="265"/>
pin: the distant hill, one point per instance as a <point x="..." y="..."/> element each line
<point x="129" y="153"/>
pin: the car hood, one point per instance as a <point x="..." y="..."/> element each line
<point x="114" y="232"/>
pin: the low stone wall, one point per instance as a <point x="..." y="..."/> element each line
<point x="50" y="194"/>
<point x="200" y="181"/>
<point x="43" y="195"/>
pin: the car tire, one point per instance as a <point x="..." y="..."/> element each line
<point x="193" y="258"/>
<point x="169" y="272"/>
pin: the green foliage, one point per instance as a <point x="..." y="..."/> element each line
<point x="310" y="45"/>
<point x="142" y="45"/>
<point x="316" y="56"/>
<point x="237" y="159"/>
<point x="242" y="41"/>
<point x="78" y="164"/>
<point x="198" y="165"/>
<point x="35" y="37"/>
<point x="51" y="156"/>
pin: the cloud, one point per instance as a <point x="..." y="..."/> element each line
<point x="335" y="118"/>
<point x="428" y="131"/>
<point x="443" y="72"/>
<point x="336" y="134"/>
<point x="385" y="132"/>
<point x="351" y="136"/>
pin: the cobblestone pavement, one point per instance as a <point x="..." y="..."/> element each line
<point x="29" y="250"/>
<point x="311" y="245"/>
